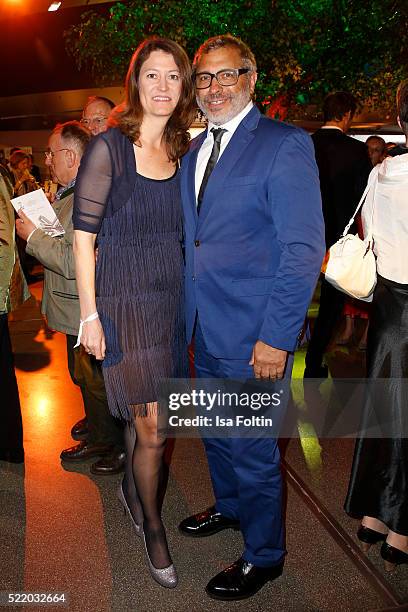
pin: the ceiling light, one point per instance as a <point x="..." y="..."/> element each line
<point x="54" y="6"/>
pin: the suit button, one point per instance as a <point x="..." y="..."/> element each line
<point x="193" y="278"/>
<point x="196" y="243"/>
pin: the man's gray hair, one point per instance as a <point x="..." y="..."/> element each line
<point x="227" y="40"/>
<point x="74" y="134"/>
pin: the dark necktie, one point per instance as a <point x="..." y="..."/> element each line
<point x="215" y="153"/>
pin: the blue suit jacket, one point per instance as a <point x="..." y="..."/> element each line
<point x="254" y="254"/>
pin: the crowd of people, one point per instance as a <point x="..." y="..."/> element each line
<point x="216" y="243"/>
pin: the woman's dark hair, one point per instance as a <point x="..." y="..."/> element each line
<point x="17" y="157"/>
<point x="128" y="116"/>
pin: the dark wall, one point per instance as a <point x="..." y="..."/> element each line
<point x="33" y="57"/>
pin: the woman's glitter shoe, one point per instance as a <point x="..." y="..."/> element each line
<point x="121" y="496"/>
<point x="166" y="577"/>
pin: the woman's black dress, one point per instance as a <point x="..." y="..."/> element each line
<point x="379" y="478"/>
<point x="139" y="271"/>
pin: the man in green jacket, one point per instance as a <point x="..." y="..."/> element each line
<point x="13" y="292"/>
<point x="60" y="301"/>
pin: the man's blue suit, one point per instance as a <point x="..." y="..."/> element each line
<point x="253" y="256"/>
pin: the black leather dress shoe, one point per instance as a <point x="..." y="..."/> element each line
<point x="241" y="580"/>
<point x="114" y="463"/>
<point x="80" y="430"/>
<point x="206" y="523"/>
<point x="84" y="451"/>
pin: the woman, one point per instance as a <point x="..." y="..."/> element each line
<point x="128" y="196"/>
<point x="353" y="308"/>
<point x="378" y="490"/>
<point x="24" y="182"/>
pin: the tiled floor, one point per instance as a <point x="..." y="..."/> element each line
<point x="64" y="530"/>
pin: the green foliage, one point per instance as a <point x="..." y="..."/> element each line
<point x="304" y="48"/>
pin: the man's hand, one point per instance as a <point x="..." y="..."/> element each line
<point x="93" y="339"/>
<point x="24" y="226"/>
<point x="268" y="362"/>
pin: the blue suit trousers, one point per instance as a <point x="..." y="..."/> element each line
<point x="245" y="472"/>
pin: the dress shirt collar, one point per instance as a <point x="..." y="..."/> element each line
<point x="61" y="191"/>
<point x="331" y="127"/>
<point x="233" y="123"/>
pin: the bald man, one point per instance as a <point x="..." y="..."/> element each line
<point x="95" y="114"/>
<point x="377" y="149"/>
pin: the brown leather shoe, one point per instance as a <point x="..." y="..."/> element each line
<point x="80" y="430"/>
<point x="114" y="463"/>
<point x="84" y="451"/>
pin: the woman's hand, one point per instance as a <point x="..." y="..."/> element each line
<point x="93" y="339"/>
<point x="26" y="177"/>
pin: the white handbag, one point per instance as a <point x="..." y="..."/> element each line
<point x="351" y="267"/>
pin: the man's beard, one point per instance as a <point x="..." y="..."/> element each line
<point x="238" y="102"/>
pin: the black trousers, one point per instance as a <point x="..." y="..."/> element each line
<point x="86" y="372"/>
<point x="330" y="309"/>
<point x="11" y="425"/>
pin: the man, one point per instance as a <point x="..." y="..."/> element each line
<point x="344" y="167"/>
<point x="60" y="301"/>
<point x="377" y="149"/>
<point x="402" y="118"/>
<point x="13" y="292"/>
<point x="95" y="114"/>
<point x="254" y="247"/>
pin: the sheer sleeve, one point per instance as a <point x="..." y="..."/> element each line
<point x="93" y="186"/>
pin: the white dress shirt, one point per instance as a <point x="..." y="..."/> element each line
<point x="386" y="208"/>
<point x="206" y="148"/>
<point x="331" y="127"/>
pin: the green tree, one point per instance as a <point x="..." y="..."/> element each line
<point x="304" y="48"/>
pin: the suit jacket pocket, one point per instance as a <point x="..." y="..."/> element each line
<point x="253" y="286"/>
<point x="67" y="296"/>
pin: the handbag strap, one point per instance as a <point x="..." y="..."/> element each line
<point x="373" y="176"/>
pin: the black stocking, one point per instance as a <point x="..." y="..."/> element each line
<point x="129" y="487"/>
<point x="148" y="476"/>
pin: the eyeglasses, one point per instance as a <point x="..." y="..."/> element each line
<point x="226" y="77"/>
<point x="95" y="121"/>
<point x="51" y="154"/>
